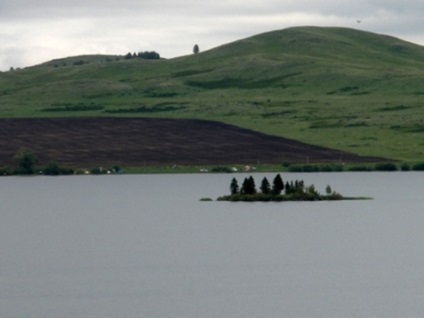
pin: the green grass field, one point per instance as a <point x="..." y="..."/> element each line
<point x="341" y="88"/>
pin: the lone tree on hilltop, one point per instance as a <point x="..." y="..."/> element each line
<point x="196" y="49"/>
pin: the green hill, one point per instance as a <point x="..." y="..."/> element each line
<point x="335" y="87"/>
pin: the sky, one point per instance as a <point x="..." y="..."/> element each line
<point x="32" y="32"/>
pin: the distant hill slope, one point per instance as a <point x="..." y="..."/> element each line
<point x="341" y="88"/>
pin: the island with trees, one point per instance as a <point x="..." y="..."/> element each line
<point x="279" y="191"/>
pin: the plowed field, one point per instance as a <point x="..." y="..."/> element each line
<point x="91" y="142"/>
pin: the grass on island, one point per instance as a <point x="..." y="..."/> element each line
<point x="260" y="197"/>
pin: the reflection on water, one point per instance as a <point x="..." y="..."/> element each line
<point x="145" y="246"/>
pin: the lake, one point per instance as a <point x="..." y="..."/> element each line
<point x="145" y="246"/>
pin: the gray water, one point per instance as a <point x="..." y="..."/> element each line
<point x="145" y="246"/>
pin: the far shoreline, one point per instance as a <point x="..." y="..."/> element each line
<point x="230" y="169"/>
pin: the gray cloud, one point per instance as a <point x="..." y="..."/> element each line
<point x="32" y="32"/>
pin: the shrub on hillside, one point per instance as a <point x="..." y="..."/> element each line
<point x="219" y="169"/>
<point x="388" y="166"/>
<point x="5" y="171"/>
<point x="418" y="166"/>
<point x="331" y="168"/>
<point x="149" y="55"/>
<point x="97" y="170"/>
<point x="53" y="169"/>
<point x="25" y="161"/>
<point x="316" y="168"/>
<point x="360" y="168"/>
<point x="405" y="167"/>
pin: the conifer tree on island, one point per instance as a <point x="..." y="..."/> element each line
<point x="265" y="186"/>
<point x="277" y="185"/>
<point x="234" y="187"/>
<point x="248" y="186"/>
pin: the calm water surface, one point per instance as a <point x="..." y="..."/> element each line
<point x="145" y="246"/>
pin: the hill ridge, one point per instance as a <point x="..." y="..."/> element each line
<point x="341" y="88"/>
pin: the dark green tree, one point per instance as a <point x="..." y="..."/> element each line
<point x="288" y="188"/>
<point x="234" y="187"/>
<point x="245" y="186"/>
<point x="252" y="185"/>
<point x="25" y="161"/>
<point x="312" y="191"/>
<point x="52" y="169"/>
<point x="248" y="186"/>
<point x="149" y="55"/>
<point x="277" y="185"/>
<point x="298" y="186"/>
<point x="265" y="186"/>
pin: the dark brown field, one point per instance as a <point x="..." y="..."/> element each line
<point x="92" y="142"/>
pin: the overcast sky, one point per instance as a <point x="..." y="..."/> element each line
<point x="33" y="32"/>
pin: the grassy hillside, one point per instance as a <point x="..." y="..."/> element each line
<point x="342" y="88"/>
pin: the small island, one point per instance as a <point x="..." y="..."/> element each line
<point x="279" y="191"/>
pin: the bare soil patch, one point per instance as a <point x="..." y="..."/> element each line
<point x="91" y="142"/>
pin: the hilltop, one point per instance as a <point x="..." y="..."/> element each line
<point x="341" y="88"/>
